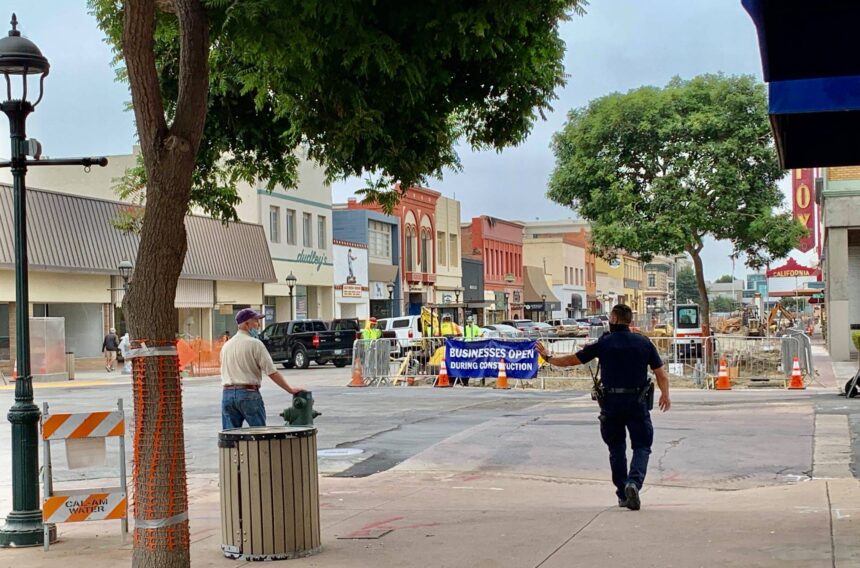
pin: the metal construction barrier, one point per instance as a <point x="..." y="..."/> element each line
<point x="84" y="435"/>
<point x="690" y="362"/>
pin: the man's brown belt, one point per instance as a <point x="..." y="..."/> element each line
<point x="242" y="387"/>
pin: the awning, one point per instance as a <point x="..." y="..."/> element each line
<point x="536" y="288"/>
<point x="70" y="233"/>
<point x="808" y="53"/>
<point x="381" y="272"/>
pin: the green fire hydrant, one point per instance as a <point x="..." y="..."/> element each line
<point x="302" y="412"/>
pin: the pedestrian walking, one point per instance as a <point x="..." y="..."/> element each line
<point x="110" y="345"/>
<point x="244" y="361"/>
<point x="125" y="350"/>
<point x="625" y="395"/>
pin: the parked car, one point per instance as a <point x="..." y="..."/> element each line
<point x="298" y="342"/>
<point x="583" y="325"/>
<point x="543" y="329"/>
<point x="501" y="331"/>
<point x="524" y="325"/>
<point x="569" y="327"/>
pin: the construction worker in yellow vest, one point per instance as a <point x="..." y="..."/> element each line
<point x="472" y="331"/>
<point x="449" y="328"/>
<point x="370" y="331"/>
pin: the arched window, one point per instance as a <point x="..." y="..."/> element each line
<point x="410" y="248"/>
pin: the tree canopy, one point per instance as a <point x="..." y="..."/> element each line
<point x="688" y="290"/>
<point x="364" y="87"/>
<point x="656" y="170"/>
<point x="725" y="279"/>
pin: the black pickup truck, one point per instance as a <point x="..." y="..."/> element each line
<point x="296" y="343"/>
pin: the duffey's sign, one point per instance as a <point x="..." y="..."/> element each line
<point x="803" y="205"/>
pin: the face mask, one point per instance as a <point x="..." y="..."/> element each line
<point x="613" y="327"/>
<point x="254" y="332"/>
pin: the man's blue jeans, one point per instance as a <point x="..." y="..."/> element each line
<point x="621" y="414"/>
<point x="238" y="405"/>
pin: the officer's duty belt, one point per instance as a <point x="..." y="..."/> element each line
<point x="622" y="391"/>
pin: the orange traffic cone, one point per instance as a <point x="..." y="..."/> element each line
<point x="357" y="378"/>
<point x="723" y="380"/>
<point x="15" y="372"/>
<point x="796" y="376"/>
<point x="502" y="377"/>
<point x="442" y="381"/>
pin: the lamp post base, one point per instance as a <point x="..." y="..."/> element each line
<point x="25" y="530"/>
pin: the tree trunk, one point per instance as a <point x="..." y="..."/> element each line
<point x="703" y="291"/>
<point x="160" y="499"/>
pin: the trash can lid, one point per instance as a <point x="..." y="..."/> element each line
<point x="266" y="433"/>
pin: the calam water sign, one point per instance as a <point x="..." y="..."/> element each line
<point x="480" y="359"/>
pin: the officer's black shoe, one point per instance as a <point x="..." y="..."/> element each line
<point x="632" y="494"/>
<point x="622" y="503"/>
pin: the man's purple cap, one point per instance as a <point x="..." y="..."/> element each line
<point x="247" y="314"/>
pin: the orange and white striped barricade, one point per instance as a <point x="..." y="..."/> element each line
<point x="71" y="506"/>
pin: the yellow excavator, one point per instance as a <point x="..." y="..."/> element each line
<point x="777" y="313"/>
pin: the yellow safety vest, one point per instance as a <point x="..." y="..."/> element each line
<point x="472" y="331"/>
<point x="371" y="333"/>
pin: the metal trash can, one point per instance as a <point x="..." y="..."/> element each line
<point x="269" y="493"/>
<point x="70" y="364"/>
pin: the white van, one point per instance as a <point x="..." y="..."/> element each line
<point x="405" y="327"/>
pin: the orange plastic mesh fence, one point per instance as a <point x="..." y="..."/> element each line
<point x="160" y="490"/>
<point x="200" y="357"/>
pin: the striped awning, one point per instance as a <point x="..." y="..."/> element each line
<point x="70" y="233"/>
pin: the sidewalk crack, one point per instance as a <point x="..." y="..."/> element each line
<point x="670" y="445"/>
<point x="573" y="536"/>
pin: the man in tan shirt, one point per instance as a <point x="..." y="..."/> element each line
<point x="244" y="361"/>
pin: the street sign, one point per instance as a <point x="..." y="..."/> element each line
<point x="818" y="296"/>
<point x="815" y="285"/>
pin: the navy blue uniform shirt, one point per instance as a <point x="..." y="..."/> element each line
<point x="624" y="359"/>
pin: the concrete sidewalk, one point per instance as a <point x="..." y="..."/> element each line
<point x="408" y="519"/>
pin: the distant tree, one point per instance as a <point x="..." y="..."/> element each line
<point x="725" y="279"/>
<point x="688" y="288"/>
<point x="722" y="304"/>
<point x="656" y="170"/>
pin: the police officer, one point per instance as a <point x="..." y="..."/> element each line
<point x="624" y="360"/>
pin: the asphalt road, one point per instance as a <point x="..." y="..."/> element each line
<point x="709" y="439"/>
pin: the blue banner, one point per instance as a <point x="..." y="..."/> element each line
<point x="480" y="359"/>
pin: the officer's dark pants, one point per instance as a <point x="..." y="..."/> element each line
<point x="624" y="413"/>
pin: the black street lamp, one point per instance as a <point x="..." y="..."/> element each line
<point x="125" y="267"/>
<point x="543" y="299"/>
<point x="507" y="305"/>
<point x="390" y="288"/>
<point x="19" y="59"/>
<point x="457" y="292"/>
<point x="291" y="283"/>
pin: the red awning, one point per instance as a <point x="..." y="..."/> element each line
<point x="791" y="269"/>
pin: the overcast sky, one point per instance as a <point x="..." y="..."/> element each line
<point x="618" y="45"/>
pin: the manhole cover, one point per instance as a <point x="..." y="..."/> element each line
<point x="339" y="452"/>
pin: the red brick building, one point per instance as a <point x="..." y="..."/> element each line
<point x="417" y="214"/>
<point x="499" y="244"/>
